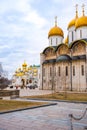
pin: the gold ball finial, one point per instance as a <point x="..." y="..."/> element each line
<point x="83" y="9"/>
<point x="55" y="20"/>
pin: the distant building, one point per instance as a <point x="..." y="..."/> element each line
<point x="64" y="64"/>
<point x="26" y="76"/>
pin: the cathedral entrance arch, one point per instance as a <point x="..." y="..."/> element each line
<point x="23" y="83"/>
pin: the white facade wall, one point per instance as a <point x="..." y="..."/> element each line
<point x="63" y="81"/>
<point x="81" y="32"/>
<point x="55" y="40"/>
<point x="42" y="58"/>
<point x="78" y="80"/>
<point x="71" y="37"/>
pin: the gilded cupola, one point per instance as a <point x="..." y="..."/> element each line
<point x="24" y="64"/>
<point x="82" y="21"/>
<point x="73" y="21"/>
<point x="56" y="30"/>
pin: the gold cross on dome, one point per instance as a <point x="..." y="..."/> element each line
<point x="76" y="10"/>
<point x="55" y="20"/>
<point x="83" y="9"/>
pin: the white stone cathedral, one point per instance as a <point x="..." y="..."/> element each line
<point x="64" y="65"/>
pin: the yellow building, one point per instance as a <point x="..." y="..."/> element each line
<point x="26" y="75"/>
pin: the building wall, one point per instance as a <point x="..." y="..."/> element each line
<point x="71" y="82"/>
<point x="78" y="80"/>
<point x="82" y="34"/>
<point x="70" y="31"/>
<point x="55" y="40"/>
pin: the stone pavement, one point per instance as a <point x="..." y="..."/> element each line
<point x="45" y="118"/>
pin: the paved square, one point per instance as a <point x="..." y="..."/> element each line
<point x="46" y="118"/>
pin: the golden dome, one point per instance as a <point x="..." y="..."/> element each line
<point x="55" y="30"/>
<point x="24" y="64"/>
<point x="66" y="40"/>
<point x="20" y="74"/>
<point x="35" y="70"/>
<point x="73" y="21"/>
<point x="82" y="21"/>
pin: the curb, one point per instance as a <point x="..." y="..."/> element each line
<point x="50" y="104"/>
<point x="57" y="100"/>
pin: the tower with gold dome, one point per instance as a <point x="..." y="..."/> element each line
<point x="63" y="65"/>
<point x="26" y="76"/>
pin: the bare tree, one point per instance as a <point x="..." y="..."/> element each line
<point x="4" y="82"/>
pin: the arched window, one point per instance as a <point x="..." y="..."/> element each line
<point x="56" y="41"/>
<point x="66" y="70"/>
<point x="80" y="33"/>
<point x="51" y="41"/>
<point x="82" y="69"/>
<point x="73" y="70"/>
<point x="59" y="71"/>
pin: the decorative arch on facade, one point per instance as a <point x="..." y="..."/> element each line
<point x="78" y="47"/>
<point x="49" y="51"/>
<point x="62" y="49"/>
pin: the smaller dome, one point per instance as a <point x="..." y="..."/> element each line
<point x="55" y="31"/>
<point x="82" y="21"/>
<point x="24" y="64"/>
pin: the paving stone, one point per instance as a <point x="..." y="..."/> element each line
<point x="46" y="118"/>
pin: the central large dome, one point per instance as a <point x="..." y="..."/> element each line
<point x="55" y="31"/>
<point x="82" y="21"/>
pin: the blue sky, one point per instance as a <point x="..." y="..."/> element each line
<point x="24" y="27"/>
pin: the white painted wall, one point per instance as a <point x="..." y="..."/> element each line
<point x="70" y="30"/>
<point x="55" y="40"/>
<point x="84" y="32"/>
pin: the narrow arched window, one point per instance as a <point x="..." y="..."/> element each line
<point x="56" y="41"/>
<point x="80" y="33"/>
<point x="59" y="71"/>
<point x="73" y="70"/>
<point x="82" y="69"/>
<point x="66" y="70"/>
<point x="51" y="41"/>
